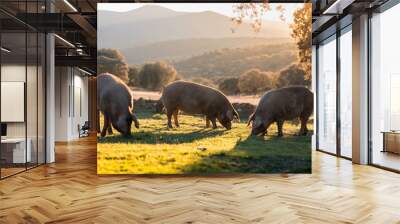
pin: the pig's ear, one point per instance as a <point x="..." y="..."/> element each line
<point x="236" y="115"/>
<point x="135" y="120"/>
<point x="229" y="114"/>
<point x="251" y="118"/>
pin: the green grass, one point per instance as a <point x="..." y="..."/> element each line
<point x="194" y="149"/>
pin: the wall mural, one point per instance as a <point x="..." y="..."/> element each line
<point x="204" y="88"/>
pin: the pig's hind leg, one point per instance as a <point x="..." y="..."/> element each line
<point x="214" y="122"/>
<point x="98" y="121"/>
<point x="176" y="117"/>
<point x="110" y="130"/>
<point x="106" y="125"/>
<point x="169" y="116"/>
<point x="303" y="128"/>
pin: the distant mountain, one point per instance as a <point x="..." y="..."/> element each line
<point x="175" y="50"/>
<point x="136" y="28"/>
<point x="147" y="12"/>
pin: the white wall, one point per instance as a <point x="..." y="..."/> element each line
<point x="71" y="94"/>
<point x="61" y="103"/>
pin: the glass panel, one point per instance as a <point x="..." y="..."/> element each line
<point x="23" y="82"/>
<point x="385" y="84"/>
<point x="31" y="99"/>
<point x="13" y="86"/>
<point x="41" y="99"/>
<point x="346" y="94"/>
<point x="327" y="96"/>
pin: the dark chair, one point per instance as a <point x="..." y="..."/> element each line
<point x="84" y="130"/>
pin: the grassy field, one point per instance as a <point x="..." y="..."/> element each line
<point x="194" y="149"/>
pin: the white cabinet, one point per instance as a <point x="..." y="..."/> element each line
<point x="19" y="155"/>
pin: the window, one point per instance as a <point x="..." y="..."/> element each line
<point x="23" y="77"/>
<point x="346" y="92"/>
<point x="385" y="89"/>
<point x="327" y="95"/>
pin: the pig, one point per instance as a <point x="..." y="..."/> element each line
<point x="115" y="101"/>
<point x="193" y="98"/>
<point x="280" y="105"/>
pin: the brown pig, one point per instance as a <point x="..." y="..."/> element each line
<point x="280" y="105"/>
<point x="115" y="101"/>
<point x="193" y="98"/>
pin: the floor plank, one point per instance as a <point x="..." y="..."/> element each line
<point x="70" y="191"/>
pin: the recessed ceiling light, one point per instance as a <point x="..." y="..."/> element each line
<point x="5" y="50"/>
<point x="86" y="72"/>
<point x="70" y="5"/>
<point x="337" y="7"/>
<point x="65" y="41"/>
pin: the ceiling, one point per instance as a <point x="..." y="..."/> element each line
<point x="73" y="21"/>
<point x="331" y="15"/>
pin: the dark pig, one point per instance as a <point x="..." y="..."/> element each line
<point x="280" y="105"/>
<point x="193" y="98"/>
<point x="115" y="101"/>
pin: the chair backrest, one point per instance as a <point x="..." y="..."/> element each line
<point x="86" y="125"/>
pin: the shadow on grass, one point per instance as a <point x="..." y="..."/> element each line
<point x="150" y="137"/>
<point x="291" y="154"/>
<point x="148" y="114"/>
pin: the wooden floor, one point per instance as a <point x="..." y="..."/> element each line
<point x="69" y="191"/>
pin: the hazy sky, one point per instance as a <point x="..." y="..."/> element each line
<point x="222" y="8"/>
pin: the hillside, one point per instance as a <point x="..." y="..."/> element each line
<point x="147" y="12"/>
<point x="136" y="31"/>
<point x="233" y="62"/>
<point x="183" y="49"/>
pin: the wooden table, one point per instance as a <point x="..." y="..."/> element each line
<point x="391" y="141"/>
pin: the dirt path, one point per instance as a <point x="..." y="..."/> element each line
<point x="156" y="95"/>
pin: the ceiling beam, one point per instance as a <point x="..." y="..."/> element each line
<point x="78" y="61"/>
<point x="337" y="7"/>
<point x="84" y="24"/>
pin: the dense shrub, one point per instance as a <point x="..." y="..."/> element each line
<point x="292" y="75"/>
<point x="133" y="75"/>
<point x="112" y="61"/>
<point x="229" y="86"/>
<point x="155" y="75"/>
<point x="255" y="81"/>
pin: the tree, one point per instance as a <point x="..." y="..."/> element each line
<point x="254" y="11"/>
<point x="133" y="75"/>
<point x="292" y="75"/>
<point x="255" y="81"/>
<point x="155" y="75"/>
<point x="301" y="26"/>
<point x="229" y="86"/>
<point x="301" y="32"/>
<point x="112" y="61"/>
